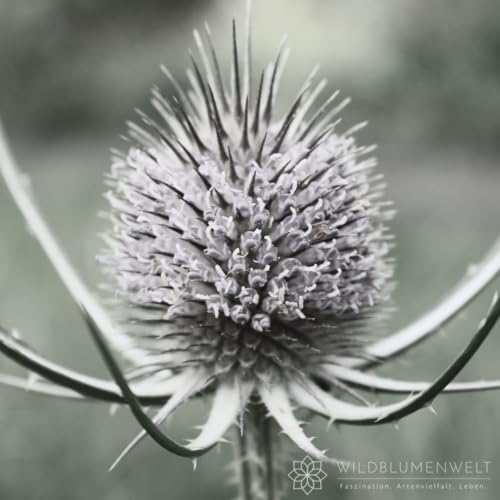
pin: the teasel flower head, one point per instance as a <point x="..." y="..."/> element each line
<point x="249" y="256"/>
<point x="258" y="241"/>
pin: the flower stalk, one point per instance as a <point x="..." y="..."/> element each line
<point x="258" y="456"/>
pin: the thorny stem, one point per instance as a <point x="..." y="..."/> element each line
<point x="256" y="456"/>
<point x="268" y="443"/>
<point x="242" y="462"/>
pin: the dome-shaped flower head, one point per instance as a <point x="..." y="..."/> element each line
<point x="257" y="240"/>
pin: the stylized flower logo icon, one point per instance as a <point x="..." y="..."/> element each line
<point x="307" y="474"/>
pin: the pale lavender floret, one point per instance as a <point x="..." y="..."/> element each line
<point x="325" y="236"/>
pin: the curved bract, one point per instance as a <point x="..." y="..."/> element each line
<point x="480" y="276"/>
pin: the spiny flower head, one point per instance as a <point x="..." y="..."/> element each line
<point x="257" y="240"/>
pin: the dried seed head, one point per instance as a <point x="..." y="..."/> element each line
<point x="258" y="242"/>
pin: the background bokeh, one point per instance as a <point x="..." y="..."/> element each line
<point x="427" y="77"/>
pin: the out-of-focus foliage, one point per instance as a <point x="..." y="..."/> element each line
<point x="450" y="59"/>
<point x="65" y="64"/>
<point x="60" y="60"/>
<point x="432" y="67"/>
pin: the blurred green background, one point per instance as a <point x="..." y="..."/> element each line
<point x="427" y="77"/>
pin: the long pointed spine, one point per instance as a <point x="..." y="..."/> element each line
<point x="218" y="73"/>
<point x="200" y="82"/>
<point x="236" y="76"/>
<point x="245" y="144"/>
<point x="248" y="52"/>
<point x="270" y="95"/>
<point x="256" y="118"/>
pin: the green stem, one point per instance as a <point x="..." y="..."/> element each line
<point x="256" y="456"/>
<point x="268" y="442"/>
<point x="243" y="465"/>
